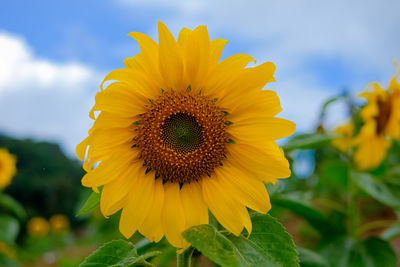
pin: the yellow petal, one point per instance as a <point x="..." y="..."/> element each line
<point x="266" y="162"/>
<point x="225" y="73"/>
<point x="170" y="59"/>
<point x="105" y="142"/>
<point x="149" y="50"/>
<point x="255" y="78"/>
<point x="197" y="56"/>
<point x="371" y="152"/>
<point x="113" y="196"/>
<point x="264" y="103"/>
<point x="225" y="208"/>
<point x="173" y="217"/>
<point x="195" y="209"/>
<point x="138" y="204"/>
<point x="107" y="120"/>
<point x="119" y="103"/>
<point x="133" y="83"/>
<point x="256" y="130"/>
<point x="216" y="46"/>
<point x="109" y="170"/>
<point x="81" y="148"/>
<point x="183" y="37"/>
<point x="247" y="87"/>
<point x="147" y="59"/>
<point x="151" y="227"/>
<point x="244" y="188"/>
<point x="392" y="128"/>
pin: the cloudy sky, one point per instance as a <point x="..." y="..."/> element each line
<point x="54" y="54"/>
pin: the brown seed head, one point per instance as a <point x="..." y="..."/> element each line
<point x="182" y="136"/>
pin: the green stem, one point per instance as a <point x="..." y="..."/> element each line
<point x="330" y="204"/>
<point x="375" y="225"/>
<point x="352" y="211"/>
<point x="184" y="259"/>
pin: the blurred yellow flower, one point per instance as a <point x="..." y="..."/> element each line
<point x="7" y="167"/>
<point x="381" y="117"/>
<point x="59" y="223"/>
<point x="181" y="133"/>
<point x="38" y="227"/>
<point x="345" y="140"/>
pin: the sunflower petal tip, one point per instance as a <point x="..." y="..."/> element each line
<point x="81" y="148"/>
<point x="161" y="24"/>
<point x="125" y="234"/>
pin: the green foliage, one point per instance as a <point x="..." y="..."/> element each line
<point x="369" y="252"/>
<point x="388" y="194"/>
<point x="9" y="228"/>
<point x="117" y="253"/>
<point x="315" y="218"/>
<point x="392" y="232"/>
<point x="268" y="245"/>
<point x="334" y="174"/>
<point x="91" y="203"/>
<point x="392" y="176"/>
<point x="10" y="205"/>
<point x="308" y="141"/>
<point x="309" y="258"/>
<point x="47" y="182"/>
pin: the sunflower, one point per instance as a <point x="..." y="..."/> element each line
<point x="345" y="140"/>
<point x="7" y="167"/>
<point x="381" y="117"/>
<point x="179" y="133"/>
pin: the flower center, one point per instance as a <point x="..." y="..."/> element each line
<point x="182" y="133"/>
<point x="182" y="136"/>
<point x="383" y="116"/>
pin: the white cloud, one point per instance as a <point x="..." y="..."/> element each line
<point x="43" y="99"/>
<point x="19" y="67"/>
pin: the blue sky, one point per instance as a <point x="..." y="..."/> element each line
<point x="55" y="53"/>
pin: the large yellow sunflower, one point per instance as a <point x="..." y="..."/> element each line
<point x="381" y="117"/>
<point x="180" y="133"/>
<point x="7" y="167"/>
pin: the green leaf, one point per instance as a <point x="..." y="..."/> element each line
<point x="214" y="245"/>
<point x="335" y="174"/>
<point x="370" y="252"/>
<point x="385" y="193"/>
<point x="9" y="204"/>
<point x="4" y="261"/>
<point x="140" y="260"/>
<point x="91" y="203"/>
<point x="392" y="176"/>
<point x="268" y="245"/>
<point x="315" y="218"/>
<point x="309" y="258"/>
<point x="117" y="253"/>
<point x="392" y="232"/>
<point x="9" y="228"/>
<point x="308" y="141"/>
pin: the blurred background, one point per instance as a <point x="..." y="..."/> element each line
<point x="54" y="55"/>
